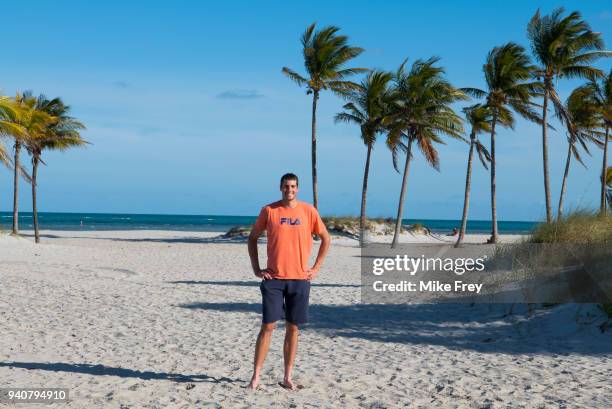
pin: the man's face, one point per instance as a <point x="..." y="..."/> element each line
<point x="289" y="188"/>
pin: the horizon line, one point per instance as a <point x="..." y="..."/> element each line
<point x="238" y="215"/>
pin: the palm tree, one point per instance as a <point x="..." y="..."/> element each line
<point x="564" y="47"/>
<point x="420" y="113"/>
<point x="582" y="128"/>
<point x="367" y="108"/>
<point x="479" y="117"/>
<point x="325" y="54"/>
<point x="507" y="72"/>
<point x="61" y="132"/>
<point x="600" y="94"/>
<point x="30" y="121"/>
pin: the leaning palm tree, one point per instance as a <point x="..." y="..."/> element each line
<point x="30" y="121"/>
<point x="507" y="72"/>
<point x="325" y="54"/>
<point x="564" y="47"/>
<point x="420" y="113"/>
<point x="367" y="108"/>
<point x="600" y="94"/>
<point x="479" y="117"/>
<point x="60" y="132"/>
<point x="583" y="128"/>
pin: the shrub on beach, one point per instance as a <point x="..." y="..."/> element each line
<point x="343" y="225"/>
<point x="349" y="226"/>
<point x="581" y="227"/>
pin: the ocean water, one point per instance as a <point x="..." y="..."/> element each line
<point x="213" y="223"/>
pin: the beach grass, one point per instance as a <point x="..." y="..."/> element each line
<point x="579" y="227"/>
<point x="584" y="228"/>
<point x="349" y="225"/>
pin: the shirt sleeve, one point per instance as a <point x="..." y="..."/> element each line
<point x="262" y="219"/>
<point x="317" y="225"/>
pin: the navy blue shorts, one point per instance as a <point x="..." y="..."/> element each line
<point x="288" y="298"/>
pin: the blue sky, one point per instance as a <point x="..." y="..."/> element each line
<point x="188" y="112"/>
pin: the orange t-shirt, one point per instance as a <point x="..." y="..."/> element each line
<point x="289" y="237"/>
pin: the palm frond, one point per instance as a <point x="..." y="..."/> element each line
<point x="474" y="92"/>
<point x="23" y="172"/>
<point x="348" y="118"/>
<point x="429" y="152"/>
<point x="483" y="154"/>
<point x="5" y="158"/>
<point x="295" y="77"/>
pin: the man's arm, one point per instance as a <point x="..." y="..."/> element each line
<point x="254" y="254"/>
<point x="325" y="242"/>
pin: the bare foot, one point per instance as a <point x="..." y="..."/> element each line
<point x="288" y="384"/>
<point x="254" y="384"/>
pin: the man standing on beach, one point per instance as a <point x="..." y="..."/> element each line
<point x="285" y="288"/>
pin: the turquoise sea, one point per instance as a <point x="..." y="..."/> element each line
<point x="117" y="221"/>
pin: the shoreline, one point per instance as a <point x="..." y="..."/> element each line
<point x="48" y="235"/>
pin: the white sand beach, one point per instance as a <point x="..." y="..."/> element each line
<point x="160" y="319"/>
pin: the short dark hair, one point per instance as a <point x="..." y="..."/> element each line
<point x="289" y="176"/>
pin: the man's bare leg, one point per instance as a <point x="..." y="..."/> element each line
<point x="289" y="351"/>
<point x="261" y="349"/>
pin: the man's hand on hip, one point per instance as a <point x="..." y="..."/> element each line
<point x="312" y="273"/>
<point x="266" y="274"/>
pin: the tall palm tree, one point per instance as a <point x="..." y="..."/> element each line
<point x="30" y="121"/>
<point x="581" y="129"/>
<point x="420" y="113"/>
<point x="325" y="55"/>
<point x="507" y="73"/>
<point x="479" y="117"/>
<point x="600" y="94"/>
<point x="60" y="132"/>
<point x="367" y="108"/>
<point x="564" y="47"/>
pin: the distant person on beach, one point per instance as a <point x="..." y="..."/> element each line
<point x="454" y="232"/>
<point x="285" y="287"/>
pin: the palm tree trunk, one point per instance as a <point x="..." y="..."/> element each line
<point x="362" y="219"/>
<point x="400" y="206"/>
<point x="564" y="182"/>
<point x="545" y="157"/>
<point x="494" y="234"/>
<point x="315" y="194"/>
<point x="466" y="199"/>
<point x="602" y="208"/>
<point x="34" y="211"/>
<point x="16" y="189"/>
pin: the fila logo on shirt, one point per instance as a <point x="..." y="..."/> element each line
<point x="290" y="221"/>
